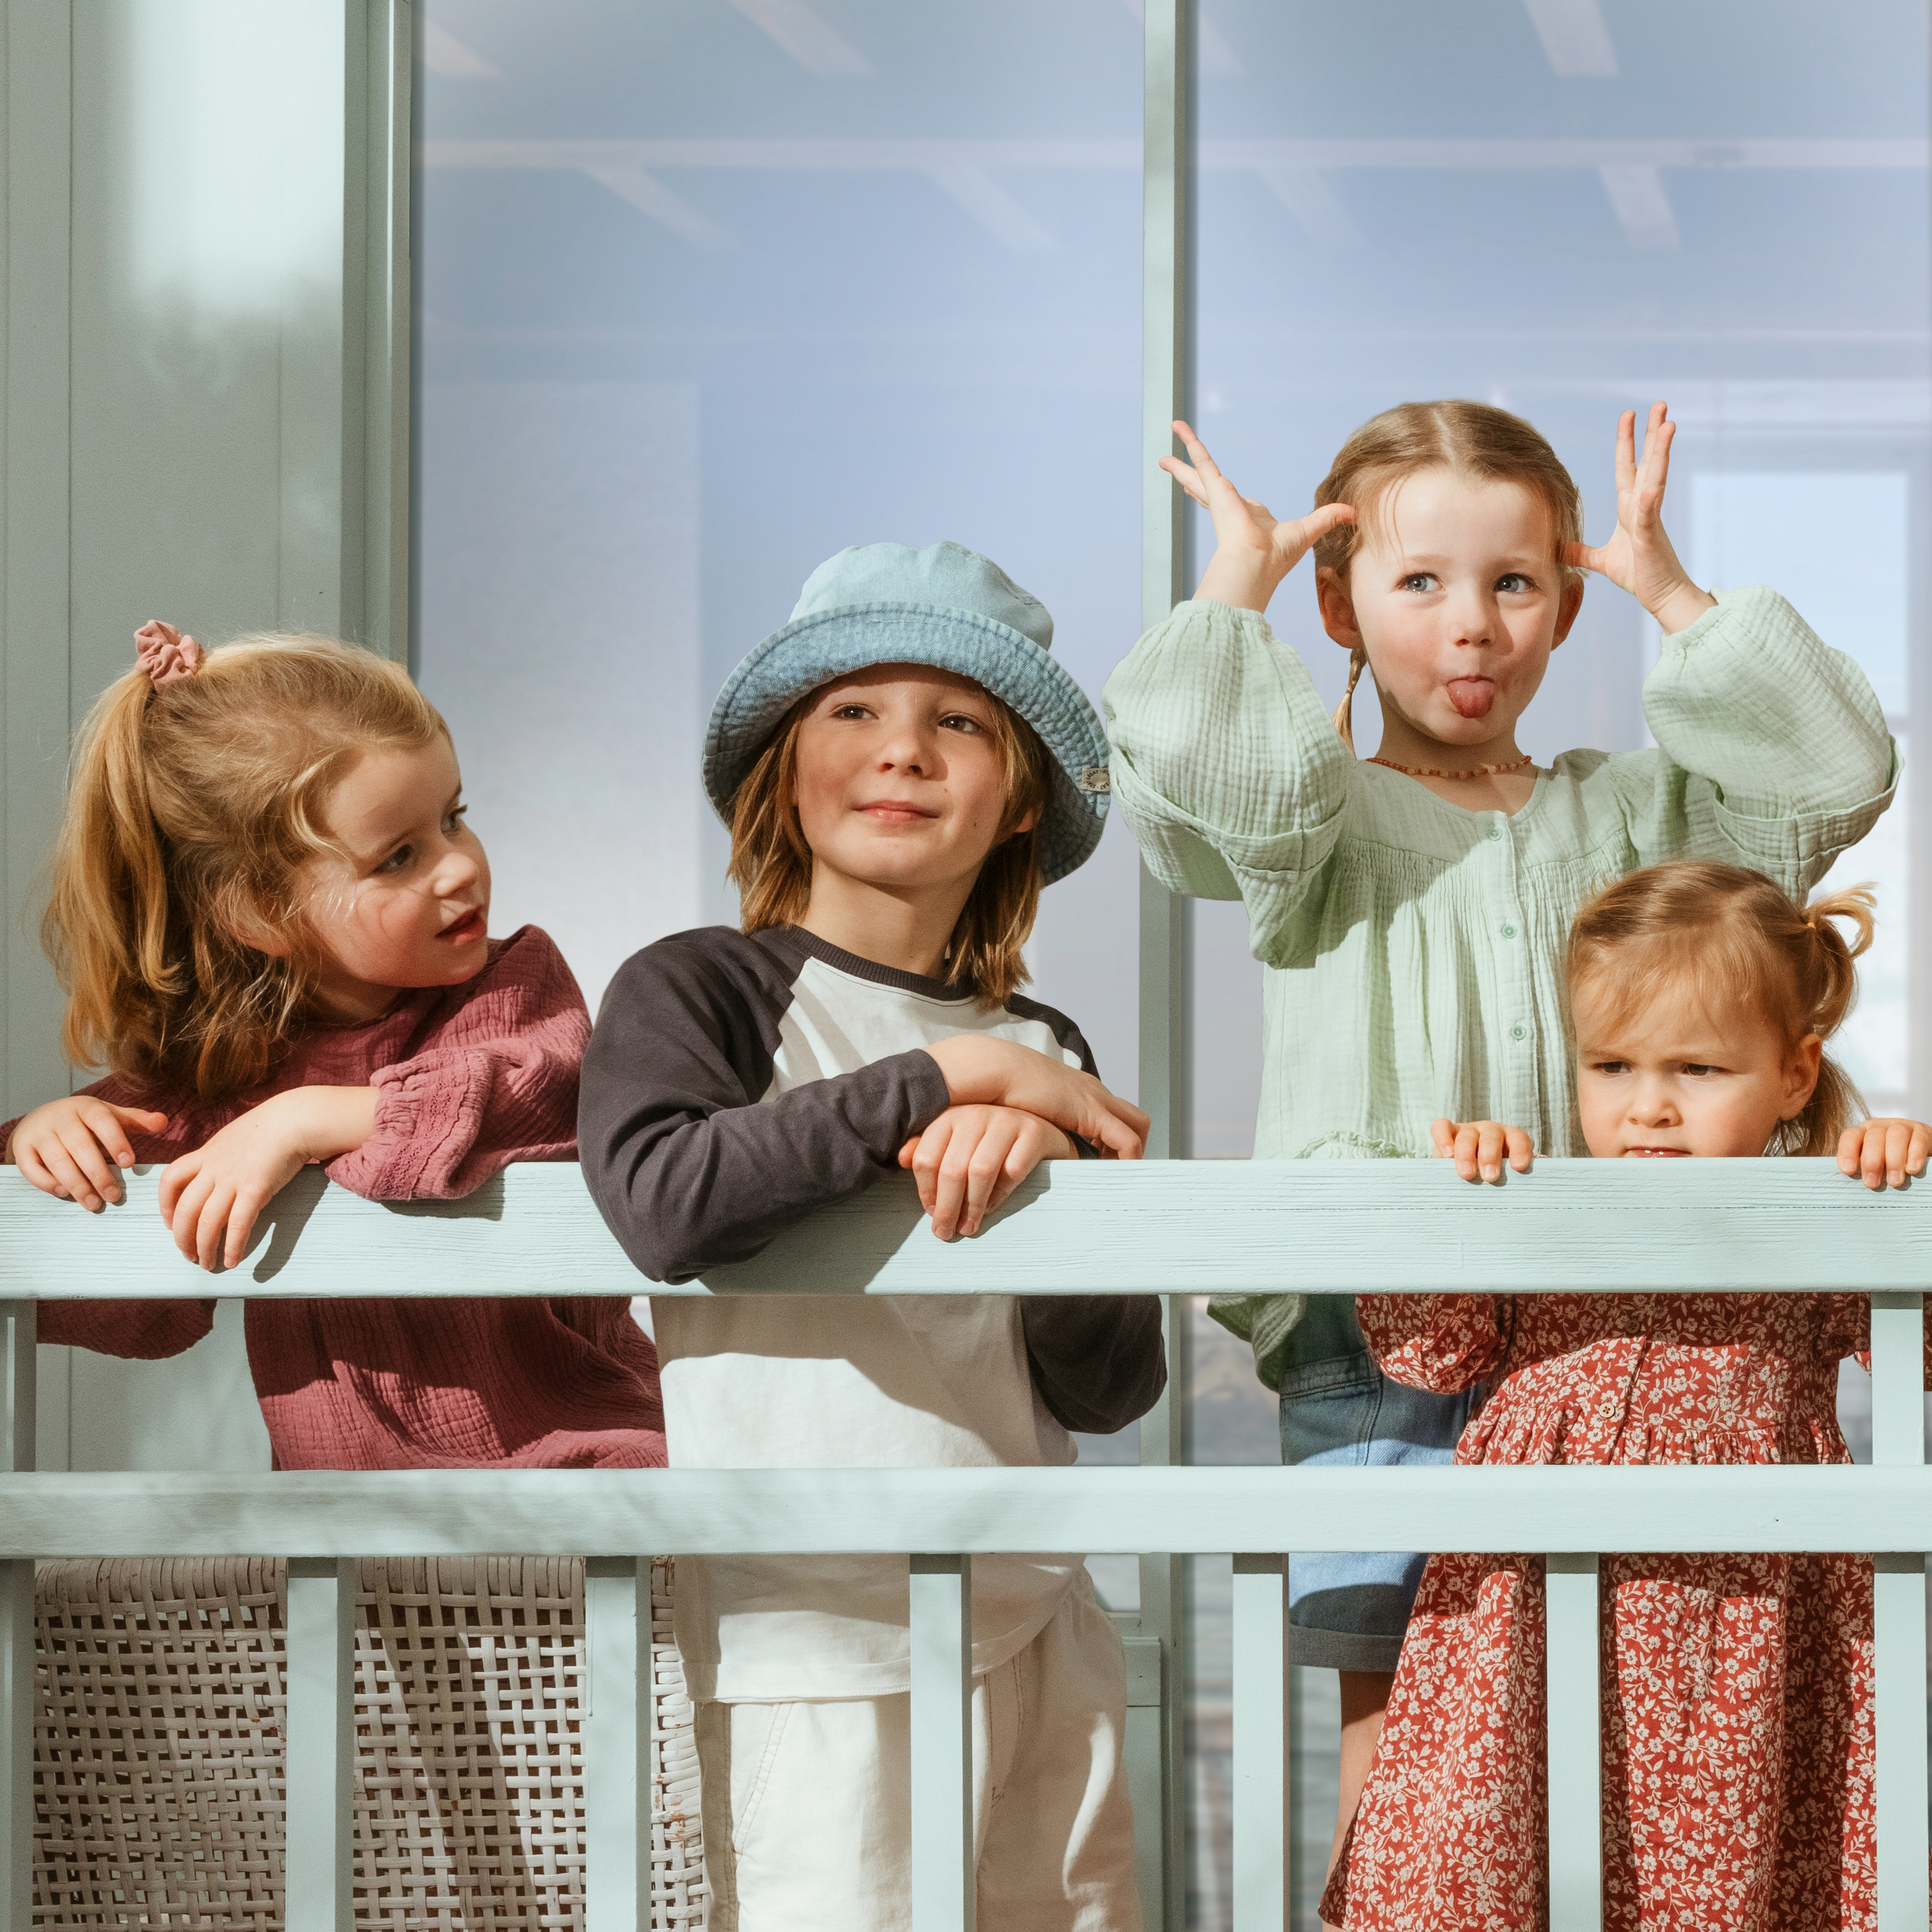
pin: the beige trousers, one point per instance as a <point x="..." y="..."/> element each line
<point x="807" y="1808"/>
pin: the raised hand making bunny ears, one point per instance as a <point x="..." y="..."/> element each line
<point x="1412" y="908"/>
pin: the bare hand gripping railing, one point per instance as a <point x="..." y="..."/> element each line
<point x="1166" y="1228"/>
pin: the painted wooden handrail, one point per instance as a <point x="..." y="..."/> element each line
<point x="1095" y="1227"/>
<point x="1157" y="1227"/>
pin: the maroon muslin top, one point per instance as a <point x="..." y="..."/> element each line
<point x="468" y="1078"/>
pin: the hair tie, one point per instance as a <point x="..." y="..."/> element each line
<point x="164" y="654"/>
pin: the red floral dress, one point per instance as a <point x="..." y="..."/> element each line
<point x="1737" y="1729"/>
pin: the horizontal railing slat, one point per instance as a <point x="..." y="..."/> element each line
<point x="624" y="1512"/>
<point x="1166" y="1227"/>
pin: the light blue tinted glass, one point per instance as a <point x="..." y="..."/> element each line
<point x="710" y="291"/>
<point x="1570" y="207"/>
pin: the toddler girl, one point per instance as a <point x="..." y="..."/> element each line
<point x="271" y="921"/>
<point x="1737" y="1734"/>
<point x="1411" y="910"/>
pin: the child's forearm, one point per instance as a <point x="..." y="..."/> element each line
<point x="321" y="1123"/>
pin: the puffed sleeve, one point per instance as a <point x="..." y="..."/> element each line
<point x="1232" y="776"/>
<point x="495" y="1082"/>
<point x="1772" y="747"/>
<point x="1443" y="1342"/>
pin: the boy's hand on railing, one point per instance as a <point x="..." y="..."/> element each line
<point x="1883" y="1153"/>
<point x="1254" y="549"/>
<point x="221" y="1188"/>
<point x="981" y="1071"/>
<point x="1480" y="1148"/>
<point x="971" y="1158"/>
<point x="1640" y="556"/>
<point x="76" y="1148"/>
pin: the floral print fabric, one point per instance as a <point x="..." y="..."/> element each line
<point x="1738" y="1726"/>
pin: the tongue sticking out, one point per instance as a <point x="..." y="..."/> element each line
<point x="1472" y="696"/>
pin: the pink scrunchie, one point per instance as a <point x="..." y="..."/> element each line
<point x="164" y="654"/>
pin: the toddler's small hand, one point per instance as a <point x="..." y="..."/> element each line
<point x="75" y="1149"/>
<point x="1883" y="1153"/>
<point x="972" y="1158"/>
<point x="1480" y="1148"/>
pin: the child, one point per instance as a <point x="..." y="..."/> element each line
<point x="1737" y="1738"/>
<point x="271" y="920"/>
<point x="1411" y="910"/>
<point x="903" y="766"/>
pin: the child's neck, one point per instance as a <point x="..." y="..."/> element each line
<point x="904" y="928"/>
<point x="1420" y="756"/>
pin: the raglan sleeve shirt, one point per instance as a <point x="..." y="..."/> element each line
<point x="689" y="1171"/>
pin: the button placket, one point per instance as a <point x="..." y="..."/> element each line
<point x="1516" y="1090"/>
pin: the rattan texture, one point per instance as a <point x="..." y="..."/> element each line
<point x="158" y="1757"/>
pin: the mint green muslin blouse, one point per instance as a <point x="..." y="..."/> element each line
<point x="1414" y="950"/>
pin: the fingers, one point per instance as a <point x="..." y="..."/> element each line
<point x="1209" y="469"/>
<point x="1481" y="1148"/>
<point x="1584" y="556"/>
<point x="242" y="1215"/>
<point x="1886" y="1152"/>
<point x="1626" y="458"/>
<point x="64" y="1176"/>
<point x="967" y="1170"/>
<point x="1188" y="478"/>
<point x="80" y="1163"/>
<point x="1119" y="1126"/>
<point x="1316" y="525"/>
<point x="184" y="1221"/>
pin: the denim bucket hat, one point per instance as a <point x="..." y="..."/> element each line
<point x="944" y="606"/>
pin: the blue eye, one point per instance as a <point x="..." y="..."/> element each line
<point x="1513" y="583"/>
<point x="1419" y="581"/>
<point x="398" y="859"/>
<point x="453" y="820"/>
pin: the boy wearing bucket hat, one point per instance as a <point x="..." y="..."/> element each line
<point x="903" y="766"/>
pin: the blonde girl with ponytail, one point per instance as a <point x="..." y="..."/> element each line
<point x="1705" y="999"/>
<point x="271" y="920"/>
<point x="1411" y="908"/>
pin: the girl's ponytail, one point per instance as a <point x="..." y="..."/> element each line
<point x="1828" y="985"/>
<point x="1344" y="712"/>
<point x="106" y="926"/>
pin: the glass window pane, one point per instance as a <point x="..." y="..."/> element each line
<point x="710" y="291"/>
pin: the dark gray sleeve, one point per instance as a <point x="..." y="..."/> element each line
<point x="688" y="1169"/>
<point x="1097" y="1360"/>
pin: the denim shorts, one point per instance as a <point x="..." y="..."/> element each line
<point x="1349" y="1609"/>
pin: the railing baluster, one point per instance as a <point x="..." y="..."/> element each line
<point x="320" y="1742"/>
<point x="1898" y="1591"/>
<point x="942" y="1859"/>
<point x="1263" y="1841"/>
<point x="1575" y="1745"/>
<point x="16" y="1633"/>
<point x="617" y="1693"/>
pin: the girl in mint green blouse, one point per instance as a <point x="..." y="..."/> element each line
<point x="1411" y="908"/>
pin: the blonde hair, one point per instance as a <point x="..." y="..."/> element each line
<point x="1477" y="440"/>
<point x="190" y="807"/>
<point x="771" y="863"/>
<point x="1741" y="941"/>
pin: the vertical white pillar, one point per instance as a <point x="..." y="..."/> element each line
<point x="1575" y="1746"/>
<point x="943" y="1860"/>
<point x="319" y="1739"/>
<point x="1166" y="1015"/>
<point x="1261" y="1834"/>
<point x="1898" y="1438"/>
<point x="17" y="1700"/>
<point x="616" y="1744"/>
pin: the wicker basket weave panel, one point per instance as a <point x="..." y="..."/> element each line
<point x="159" y="1762"/>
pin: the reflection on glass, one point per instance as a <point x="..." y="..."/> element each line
<point x="711" y="291"/>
